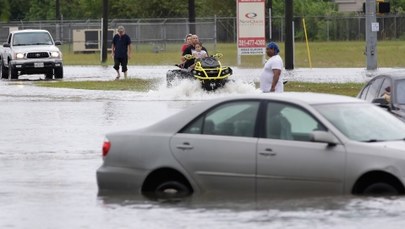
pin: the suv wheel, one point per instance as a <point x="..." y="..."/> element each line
<point x="4" y="71"/>
<point x="49" y="75"/>
<point x="12" y="73"/>
<point x="58" y="73"/>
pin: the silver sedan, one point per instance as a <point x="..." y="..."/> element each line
<point x="268" y="144"/>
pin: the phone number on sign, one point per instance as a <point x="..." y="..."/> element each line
<point x="252" y="43"/>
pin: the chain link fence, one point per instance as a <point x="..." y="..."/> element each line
<point x="156" y="34"/>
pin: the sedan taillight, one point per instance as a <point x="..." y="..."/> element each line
<point x="106" y="147"/>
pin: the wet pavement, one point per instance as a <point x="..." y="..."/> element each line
<point x="50" y="148"/>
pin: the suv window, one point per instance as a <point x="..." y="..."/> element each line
<point x="32" y="38"/>
<point x="230" y="119"/>
<point x="9" y="39"/>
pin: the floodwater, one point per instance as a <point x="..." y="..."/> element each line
<point x="50" y="149"/>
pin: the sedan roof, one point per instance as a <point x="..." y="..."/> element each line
<point x="171" y="124"/>
<point x="394" y="75"/>
<point x="299" y="97"/>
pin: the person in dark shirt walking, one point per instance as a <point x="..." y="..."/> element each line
<point x="121" y="51"/>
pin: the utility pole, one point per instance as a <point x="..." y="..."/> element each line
<point x="191" y="16"/>
<point x="57" y="13"/>
<point x="289" y="35"/>
<point x="372" y="27"/>
<point x="58" y="19"/>
<point x="105" y="31"/>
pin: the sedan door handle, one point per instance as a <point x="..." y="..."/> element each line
<point x="185" y="146"/>
<point x="268" y="153"/>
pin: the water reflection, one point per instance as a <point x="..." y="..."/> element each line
<point x="282" y="212"/>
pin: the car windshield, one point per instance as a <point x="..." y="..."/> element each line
<point x="32" y="38"/>
<point x="363" y="122"/>
<point x="400" y="91"/>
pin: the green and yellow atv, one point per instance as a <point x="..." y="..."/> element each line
<point x="208" y="70"/>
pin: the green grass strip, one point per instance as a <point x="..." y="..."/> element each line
<point x="141" y="85"/>
<point x="349" y="89"/>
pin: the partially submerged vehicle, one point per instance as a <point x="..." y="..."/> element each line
<point x="208" y="70"/>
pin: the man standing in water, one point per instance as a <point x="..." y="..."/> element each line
<point x="121" y="51"/>
<point x="271" y="79"/>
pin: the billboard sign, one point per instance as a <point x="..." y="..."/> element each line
<point x="251" y="27"/>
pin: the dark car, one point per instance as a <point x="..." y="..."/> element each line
<point x="387" y="91"/>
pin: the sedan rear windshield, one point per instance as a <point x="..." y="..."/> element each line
<point x="32" y="38"/>
<point x="363" y="122"/>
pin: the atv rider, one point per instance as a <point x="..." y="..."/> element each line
<point x="189" y="50"/>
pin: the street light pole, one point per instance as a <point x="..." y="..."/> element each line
<point x="289" y="35"/>
<point x="191" y="16"/>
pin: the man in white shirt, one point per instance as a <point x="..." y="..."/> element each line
<point x="271" y="79"/>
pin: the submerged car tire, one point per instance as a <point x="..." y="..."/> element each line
<point x="381" y="189"/>
<point x="172" y="189"/>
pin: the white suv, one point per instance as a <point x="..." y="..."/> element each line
<point x="31" y="52"/>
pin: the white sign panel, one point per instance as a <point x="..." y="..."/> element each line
<point x="251" y="27"/>
<point x="375" y="27"/>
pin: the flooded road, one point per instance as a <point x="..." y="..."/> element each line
<point x="50" y="148"/>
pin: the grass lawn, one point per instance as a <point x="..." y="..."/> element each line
<point x="323" y="55"/>
<point x="349" y="89"/>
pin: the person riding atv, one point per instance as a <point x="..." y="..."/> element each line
<point x="197" y="64"/>
<point x="189" y="51"/>
<point x="208" y="70"/>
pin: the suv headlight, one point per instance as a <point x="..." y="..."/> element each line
<point x="55" y="54"/>
<point x="19" y="55"/>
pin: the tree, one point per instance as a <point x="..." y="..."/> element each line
<point x="4" y="10"/>
<point x="41" y="10"/>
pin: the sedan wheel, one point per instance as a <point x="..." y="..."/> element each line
<point x="380" y="189"/>
<point x="170" y="189"/>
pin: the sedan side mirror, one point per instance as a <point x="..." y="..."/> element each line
<point x="58" y="43"/>
<point x="6" y="45"/>
<point x="324" y="137"/>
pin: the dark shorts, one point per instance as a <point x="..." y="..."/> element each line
<point x="123" y="62"/>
